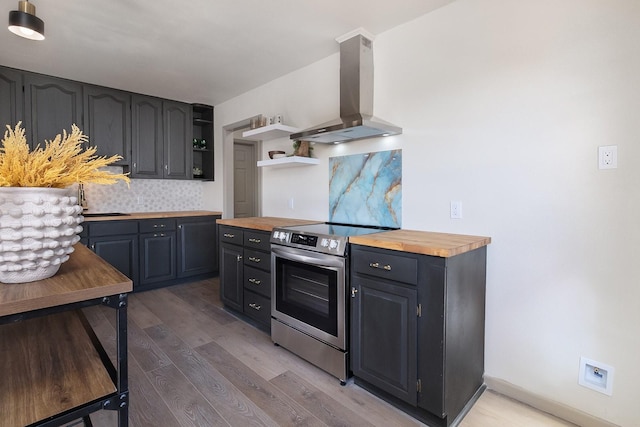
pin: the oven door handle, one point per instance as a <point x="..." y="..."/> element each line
<point x="319" y="260"/>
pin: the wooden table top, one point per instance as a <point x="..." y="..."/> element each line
<point x="84" y="276"/>
<point x="264" y="223"/>
<point x="422" y="242"/>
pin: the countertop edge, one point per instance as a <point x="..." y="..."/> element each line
<point x="152" y="215"/>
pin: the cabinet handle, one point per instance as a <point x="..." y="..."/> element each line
<point x="255" y="306"/>
<point x="166" y="167"/>
<point x="238" y="258"/>
<point x="159" y="235"/>
<point x="158" y="226"/>
<point x="354" y="291"/>
<point x="229" y="235"/>
<point x="254" y="259"/>
<point x="254" y="281"/>
<point x="377" y="265"/>
<point x="93" y="247"/>
<point x="252" y="240"/>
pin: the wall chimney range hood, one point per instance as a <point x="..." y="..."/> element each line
<point x="356" y="99"/>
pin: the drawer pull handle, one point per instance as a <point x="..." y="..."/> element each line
<point x="252" y="240"/>
<point x="158" y="225"/>
<point x="238" y="258"/>
<point x="377" y="265"/>
<point x="255" y="306"/>
<point x="254" y="281"/>
<point x="254" y="259"/>
<point x="229" y="235"/>
<point x="159" y="235"/>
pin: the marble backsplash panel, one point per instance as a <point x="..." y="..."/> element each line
<point x="145" y="195"/>
<point x="366" y="189"/>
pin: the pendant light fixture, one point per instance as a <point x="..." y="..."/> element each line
<point x="24" y="22"/>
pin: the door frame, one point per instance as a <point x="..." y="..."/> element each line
<point x="230" y="134"/>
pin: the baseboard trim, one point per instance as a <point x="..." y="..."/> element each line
<point x="552" y="407"/>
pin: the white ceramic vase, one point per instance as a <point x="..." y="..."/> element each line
<point x="38" y="228"/>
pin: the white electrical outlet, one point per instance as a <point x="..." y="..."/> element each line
<point x="291" y="205"/>
<point x="608" y="157"/>
<point x="456" y="209"/>
<point x="596" y="376"/>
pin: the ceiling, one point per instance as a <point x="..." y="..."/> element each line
<point x="205" y="51"/>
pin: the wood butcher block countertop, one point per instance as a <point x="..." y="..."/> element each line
<point x="149" y="215"/>
<point x="422" y="242"/>
<point x="264" y="223"/>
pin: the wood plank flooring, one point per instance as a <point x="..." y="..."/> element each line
<point x="191" y="363"/>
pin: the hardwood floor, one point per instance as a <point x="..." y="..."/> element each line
<point x="191" y="363"/>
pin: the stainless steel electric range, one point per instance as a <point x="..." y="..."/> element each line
<point x="309" y="310"/>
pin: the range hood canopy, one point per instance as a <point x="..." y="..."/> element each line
<point x="356" y="99"/>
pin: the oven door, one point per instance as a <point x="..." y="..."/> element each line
<point x="308" y="293"/>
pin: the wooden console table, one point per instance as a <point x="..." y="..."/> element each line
<point x="54" y="369"/>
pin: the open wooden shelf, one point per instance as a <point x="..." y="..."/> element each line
<point x="265" y="133"/>
<point x="289" y="162"/>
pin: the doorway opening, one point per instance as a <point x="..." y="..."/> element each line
<point x="245" y="179"/>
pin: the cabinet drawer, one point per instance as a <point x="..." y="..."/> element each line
<point x="160" y="224"/>
<point x="231" y="235"/>
<point x="257" y="259"/>
<point x="112" y="228"/>
<point x="257" y="307"/>
<point x="258" y="281"/>
<point x="257" y="240"/>
<point x="392" y="266"/>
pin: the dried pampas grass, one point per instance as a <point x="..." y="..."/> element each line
<point x="62" y="162"/>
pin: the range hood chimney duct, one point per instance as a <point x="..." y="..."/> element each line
<point x="356" y="99"/>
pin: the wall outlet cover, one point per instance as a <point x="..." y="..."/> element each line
<point x="596" y="376"/>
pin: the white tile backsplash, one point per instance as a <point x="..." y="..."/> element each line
<point x="145" y="195"/>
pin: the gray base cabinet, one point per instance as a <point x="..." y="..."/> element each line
<point x="117" y="243"/>
<point x="417" y="329"/>
<point x="245" y="273"/>
<point x="157" y="252"/>
<point x="197" y="246"/>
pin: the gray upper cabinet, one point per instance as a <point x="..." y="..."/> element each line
<point x="11" y="109"/>
<point x="146" y="113"/>
<point x="107" y="121"/>
<point x="51" y="106"/>
<point x="162" y="133"/>
<point x="178" y="135"/>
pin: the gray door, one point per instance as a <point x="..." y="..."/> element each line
<point x="245" y="180"/>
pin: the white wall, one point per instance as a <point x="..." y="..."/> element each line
<point x="503" y="105"/>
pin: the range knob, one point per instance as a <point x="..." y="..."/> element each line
<point x="333" y="244"/>
<point x="324" y="243"/>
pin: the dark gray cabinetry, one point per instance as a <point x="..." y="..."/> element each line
<point x="162" y="138"/>
<point x="417" y="329"/>
<point x="178" y="140"/>
<point x="197" y="246"/>
<point x="51" y="105"/>
<point x="107" y="121"/>
<point x="147" y="139"/>
<point x="158" y="246"/>
<point x="11" y="107"/>
<point x="245" y="273"/>
<point x="203" y="158"/>
<point x="117" y="243"/>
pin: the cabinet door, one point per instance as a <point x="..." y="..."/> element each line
<point x="108" y="121"/>
<point x="197" y="246"/>
<point x="231" y="284"/>
<point x="178" y="135"/>
<point x="146" y="134"/>
<point x="51" y="105"/>
<point x="158" y="257"/>
<point x="383" y="336"/>
<point x="119" y="251"/>
<point x="11" y="111"/>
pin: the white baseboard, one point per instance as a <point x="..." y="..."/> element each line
<point x="552" y="407"/>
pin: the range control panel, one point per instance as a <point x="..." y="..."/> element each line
<point x="334" y="245"/>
